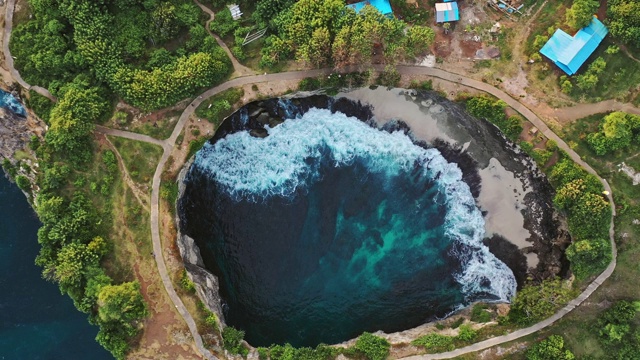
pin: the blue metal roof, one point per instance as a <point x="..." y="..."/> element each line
<point x="383" y="6"/>
<point x="447" y="12"/>
<point x="570" y="52"/>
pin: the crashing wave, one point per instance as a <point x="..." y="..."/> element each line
<point x="288" y="161"/>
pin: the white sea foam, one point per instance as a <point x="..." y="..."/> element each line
<point x="289" y="159"/>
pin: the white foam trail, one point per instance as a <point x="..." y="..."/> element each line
<point x="289" y="158"/>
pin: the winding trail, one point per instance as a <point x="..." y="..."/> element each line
<point x="238" y="69"/>
<point x="168" y="145"/>
<point x="127" y="178"/>
<point x="8" y="59"/>
<point x="130" y="135"/>
<point x="573" y="113"/>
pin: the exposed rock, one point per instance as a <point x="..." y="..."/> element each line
<point x="206" y="284"/>
<point x="273" y="122"/>
<point x="259" y="133"/>
<point x="15" y="133"/>
<point x="263" y="118"/>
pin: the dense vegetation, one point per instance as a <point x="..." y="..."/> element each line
<point x="579" y="194"/>
<point x="73" y="243"/>
<point x="494" y="111"/>
<point x="618" y="131"/>
<point x="325" y="32"/>
<point x="623" y="18"/>
<point x="537" y="302"/>
<point x="151" y="53"/>
<point x="434" y="343"/>
<point x="119" y="45"/>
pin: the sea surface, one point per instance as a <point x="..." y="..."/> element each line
<point x="329" y="227"/>
<point x="36" y="321"/>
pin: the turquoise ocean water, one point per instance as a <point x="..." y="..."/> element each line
<point x="36" y="321"/>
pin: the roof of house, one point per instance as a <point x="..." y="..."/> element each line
<point x="383" y="6"/>
<point x="570" y="52"/>
<point x="447" y="12"/>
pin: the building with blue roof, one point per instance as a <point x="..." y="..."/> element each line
<point x="383" y="6"/>
<point x="570" y="52"/>
<point x="446" y="12"/>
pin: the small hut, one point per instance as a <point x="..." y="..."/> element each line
<point x="446" y="12"/>
<point x="570" y="52"/>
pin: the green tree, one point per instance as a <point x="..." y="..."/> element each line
<point x="581" y="13"/>
<point x="267" y="10"/>
<point x="623" y="18"/>
<point x="419" y="38"/>
<point x="589" y="257"/>
<point x="23" y="182"/>
<point x="536" y="302"/>
<point x="318" y="51"/>
<point x="121" y="303"/>
<point x="551" y="348"/>
<point x="72" y="121"/>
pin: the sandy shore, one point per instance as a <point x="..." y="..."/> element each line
<point x="503" y="187"/>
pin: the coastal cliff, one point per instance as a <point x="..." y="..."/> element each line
<point x="540" y="218"/>
<point x="16" y="133"/>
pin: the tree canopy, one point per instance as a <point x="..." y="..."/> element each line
<point x="581" y="12"/>
<point x="323" y="32"/>
<point x="623" y="18"/>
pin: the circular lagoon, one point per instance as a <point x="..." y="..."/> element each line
<point x="321" y="223"/>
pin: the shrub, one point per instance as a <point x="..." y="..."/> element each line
<point x="435" y="342"/>
<point x="186" y="283"/>
<point x="223" y="23"/>
<point x="551" y="348"/>
<point x="9" y="168"/>
<point x="457" y="323"/>
<point x="466" y="333"/>
<point x="372" y="347"/>
<point x="536" y="302"/>
<point x="308" y="84"/>
<point x="263" y="353"/>
<point x="480" y="314"/>
<point x="23" y="183"/>
<point x="195" y="145"/>
<point x="211" y="320"/>
<point x="232" y="340"/>
<point x="120" y="117"/>
<point x="589" y="257"/>
<point x="389" y="77"/>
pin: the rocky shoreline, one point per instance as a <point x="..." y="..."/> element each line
<point x="544" y="224"/>
<point x="206" y="283"/>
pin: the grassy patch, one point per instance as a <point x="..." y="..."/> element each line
<point x="159" y="129"/>
<point x="140" y="158"/>
<point x="195" y="145"/>
<point x="219" y="106"/>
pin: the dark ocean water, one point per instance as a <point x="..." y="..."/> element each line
<point x="36" y="321"/>
<point x="328" y="228"/>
